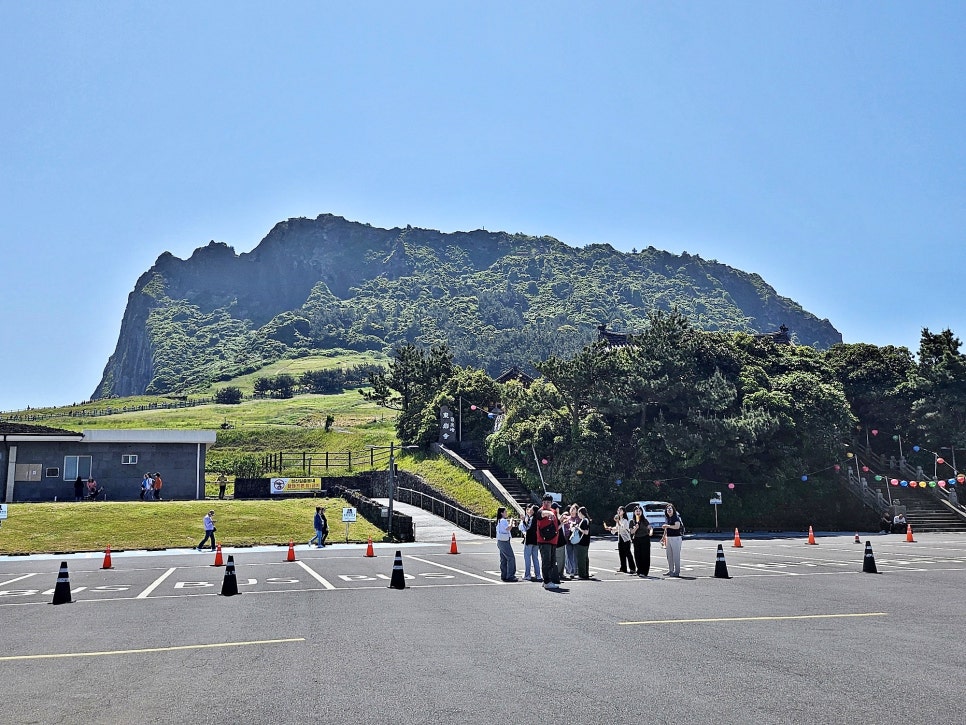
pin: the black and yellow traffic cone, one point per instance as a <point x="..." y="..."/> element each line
<point x="229" y="587"/>
<point x="62" y="590"/>
<point x="398" y="580"/>
<point x="720" y="566"/>
<point x="868" y="564"/>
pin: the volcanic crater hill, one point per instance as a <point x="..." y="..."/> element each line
<point x="496" y="299"/>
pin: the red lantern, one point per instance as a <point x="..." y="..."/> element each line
<point x="865" y="469"/>
<point x="837" y="467"/>
<point x="940" y="460"/>
<point x="731" y="485"/>
<point x="544" y="461"/>
<point x="875" y="432"/>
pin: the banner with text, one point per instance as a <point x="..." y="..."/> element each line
<point x="295" y="485"/>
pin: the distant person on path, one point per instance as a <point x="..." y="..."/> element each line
<point x="79" y="489"/>
<point x="508" y="562"/>
<point x="320" y="525"/>
<point x="582" y="547"/>
<point x="222" y="484"/>
<point x="147" y="485"/>
<point x="325" y="527"/>
<point x="641" y="533"/>
<point x="531" y="552"/>
<point x="209" y="524"/>
<point x="672" y="530"/>
<point x="562" y="541"/>
<point x="156" y="486"/>
<point x="570" y="560"/>
<point x="548" y="530"/>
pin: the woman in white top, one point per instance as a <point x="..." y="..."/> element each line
<point x="622" y="528"/>
<point x="508" y="562"/>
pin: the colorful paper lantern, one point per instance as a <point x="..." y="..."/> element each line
<point x="922" y="484"/>
<point x="961" y="478"/>
<point x="878" y="477"/>
<point x="894" y="482"/>
<point x="731" y="486"/>
<point x="903" y="483"/>
<point x="942" y="484"/>
<point x="849" y="454"/>
<point x="544" y="461"/>
<point x="875" y="432"/>
<point x="932" y="484"/>
<point x="472" y="407"/>
<point x="940" y="460"/>
<point x="804" y="478"/>
<point x="915" y="448"/>
<point x="865" y="469"/>
<point x="694" y="482"/>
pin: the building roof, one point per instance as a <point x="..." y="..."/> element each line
<point x="24" y="429"/>
<point x="515" y="373"/>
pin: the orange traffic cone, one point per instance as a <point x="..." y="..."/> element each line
<point x="218" y="560"/>
<point x="452" y="546"/>
<point x="857" y="538"/>
<point x="909" y="538"/>
<point x="811" y="536"/>
<point x="107" y="559"/>
<point x="369" y="551"/>
<point x="737" y="544"/>
<point x="291" y="551"/>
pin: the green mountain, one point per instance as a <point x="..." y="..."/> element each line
<point x="496" y="299"/>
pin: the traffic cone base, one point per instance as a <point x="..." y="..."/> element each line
<point x="452" y="546"/>
<point x="291" y="551"/>
<point x="107" y="559"/>
<point x="369" y="551"/>
<point x="720" y="566"/>
<point x="737" y="544"/>
<point x="398" y="579"/>
<point x="229" y="587"/>
<point x="218" y="560"/>
<point x="62" y="589"/>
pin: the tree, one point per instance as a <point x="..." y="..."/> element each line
<point x="230" y="395"/>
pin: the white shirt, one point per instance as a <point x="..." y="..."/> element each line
<point x="503" y="530"/>
<point x="209" y="524"/>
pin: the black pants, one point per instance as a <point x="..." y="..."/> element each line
<point x="208" y="535"/>
<point x="642" y="552"/>
<point x="626" y="557"/>
<point x="548" y="563"/>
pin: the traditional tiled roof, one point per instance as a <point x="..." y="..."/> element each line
<point x="780" y="337"/>
<point x="613" y="339"/>
<point x="515" y="373"/>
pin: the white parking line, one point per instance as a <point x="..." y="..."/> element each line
<point x="321" y="580"/>
<point x="156" y="583"/>
<point x="450" y="568"/>
<point x="11" y="581"/>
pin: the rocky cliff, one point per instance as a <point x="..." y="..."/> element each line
<point x="496" y="299"/>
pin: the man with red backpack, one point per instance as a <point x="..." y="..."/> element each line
<point x="548" y="530"/>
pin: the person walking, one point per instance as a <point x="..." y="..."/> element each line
<point x="209" y="523"/>
<point x="582" y="547"/>
<point x="79" y="489"/>
<point x="531" y="551"/>
<point x="548" y="531"/>
<point x="641" y="533"/>
<point x="508" y="562"/>
<point x="672" y="530"/>
<point x="156" y="486"/>
<point x="318" y="524"/>
<point x="622" y="528"/>
<point x="147" y="484"/>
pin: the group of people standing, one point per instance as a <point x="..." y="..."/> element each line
<point x="556" y="541"/>
<point x="151" y="487"/>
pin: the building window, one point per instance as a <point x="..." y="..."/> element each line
<point x="27" y="472"/>
<point x="75" y="466"/>
<point x="129" y="459"/>
<point x="52" y="473"/>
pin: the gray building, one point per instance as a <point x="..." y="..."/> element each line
<point x="38" y="463"/>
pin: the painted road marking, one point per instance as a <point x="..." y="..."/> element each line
<point x="155" y="584"/>
<point x="320" y="579"/>
<point x="11" y="581"/>
<point x="712" y="620"/>
<point x="450" y="568"/>
<point x="150" y="649"/>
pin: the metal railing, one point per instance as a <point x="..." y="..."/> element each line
<point x="447" y="510"/>
<point x="307" y="461"/>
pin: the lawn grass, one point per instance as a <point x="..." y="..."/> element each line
<point x="34" y="528"/>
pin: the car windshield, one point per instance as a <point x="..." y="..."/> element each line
<point x="654" y="508"/>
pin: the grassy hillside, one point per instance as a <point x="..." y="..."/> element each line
<point x="256" y="427"/>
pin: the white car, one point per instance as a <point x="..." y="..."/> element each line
<point x="653" y="512"/>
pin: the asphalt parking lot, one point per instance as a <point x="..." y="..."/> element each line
<point x="798" y="634"/>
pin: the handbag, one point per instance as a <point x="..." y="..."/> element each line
<point x="575" y="536"/>
<point x="547" y="532"/>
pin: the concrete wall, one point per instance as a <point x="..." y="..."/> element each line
<point x="181" y="466"/>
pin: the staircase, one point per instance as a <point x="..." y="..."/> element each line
<point x="514" y="486"/>
<point x="926" y="513"/>
<point x="927" y="509"/>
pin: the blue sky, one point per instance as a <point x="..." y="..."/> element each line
<point x="818" y="144"/>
